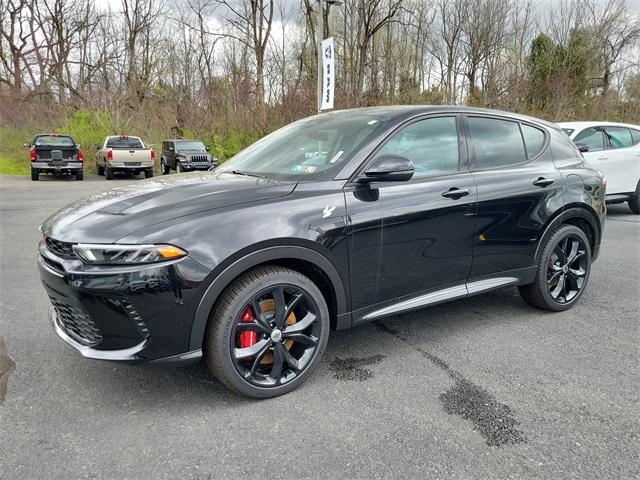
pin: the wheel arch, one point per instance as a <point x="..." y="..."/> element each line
<point x="305" y="260"/>
<point x="579" y="215"/>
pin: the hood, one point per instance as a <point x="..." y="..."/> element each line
<point x="108" y="216"/>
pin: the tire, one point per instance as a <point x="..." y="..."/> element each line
<point x="100" y="170"/>
<point x="222" y="337"/>
<point x="80" y="176"/>
<point x="164" y="167"/>
<point x="634" y="203"/>
<point x="108" y="173"/>
<point x="543" y="293"/>
<point x="179" y="168"/>
<point x="148" y="173"/>
<point x="35" y="175"/>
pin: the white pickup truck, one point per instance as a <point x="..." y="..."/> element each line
<point x="122" y="153"/>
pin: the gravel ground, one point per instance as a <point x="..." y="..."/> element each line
<point x="485" y="387"/>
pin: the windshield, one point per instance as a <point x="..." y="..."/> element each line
<point x="568" y="131"/>
<point x="191" y="146"/>
<point x="53" y="141"/>
<point x="313" y="147"/>
<point x="124" y="142"/>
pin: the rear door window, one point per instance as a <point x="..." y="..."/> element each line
<point x="591" y="137"/>
<point x="619" y="137"/>
<point x="496" y="143"/>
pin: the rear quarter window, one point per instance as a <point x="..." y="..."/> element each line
<point x="533" y="140"/>
<point x="496" y="143"/>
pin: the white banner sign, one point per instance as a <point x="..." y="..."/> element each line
<point x="328" y="66"/>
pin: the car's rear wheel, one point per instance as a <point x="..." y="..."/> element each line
<point x="563" y="271"/>
<point x="268" y="332"/>
<point x="100" y="170"/>
<point x="148" y="173"/>
<point x="35" y="175"/>
<point x="79" y="175"/>
<point x="634" y="203"/>
<point x="108" y="173"/>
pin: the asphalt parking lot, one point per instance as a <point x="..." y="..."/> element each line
<point x="486" y="387"/>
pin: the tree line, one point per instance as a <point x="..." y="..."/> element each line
<point x="243" y="67"/>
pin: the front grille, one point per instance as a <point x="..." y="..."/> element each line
<point x="61" y="249"/>
<point x="199" y="159"/>
<point x="77" y="323"/>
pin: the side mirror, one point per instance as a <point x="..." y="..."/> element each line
<point x="28" y="145"/>
<point x="389" y="168"/>
<point x="206" y="148"/>
<point x="582" y="147"/>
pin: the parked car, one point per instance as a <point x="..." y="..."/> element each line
<point x="55" y="154"/>
<point x="614" y="149"/>
<point x="185" y="155"/>
<point x="122" y="153"/>
<point x="330" y="222"/>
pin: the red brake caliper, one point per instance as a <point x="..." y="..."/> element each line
<point x="248" y="337"/>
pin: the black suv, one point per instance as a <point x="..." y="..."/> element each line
<point x="185" y="155"/>
<point x="329" y="222"/>
<point x="55" y="154"/>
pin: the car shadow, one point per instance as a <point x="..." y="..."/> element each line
<point x="148" y="386"/>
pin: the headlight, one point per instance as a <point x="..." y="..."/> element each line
<point x="127" y="254"/>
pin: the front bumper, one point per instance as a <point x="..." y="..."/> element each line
<point x="128" y="314"/>
<point x="196" y="166"/>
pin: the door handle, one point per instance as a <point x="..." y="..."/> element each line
<point x="455" y="193"/>
<point x="542" y="182"/>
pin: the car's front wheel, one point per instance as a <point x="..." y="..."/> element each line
<point x="179" y="168"/>
<point x="563" y="271"/>
<point x="268" y="332"/>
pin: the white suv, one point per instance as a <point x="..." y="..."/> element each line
<point x="614" y="149"/>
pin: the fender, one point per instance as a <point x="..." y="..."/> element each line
<point x="258" y="257"/>
<point x="560" y="217"/>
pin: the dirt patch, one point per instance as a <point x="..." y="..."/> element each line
<point x="352" y="368"/>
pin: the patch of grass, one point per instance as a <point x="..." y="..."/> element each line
<point x="12" y="166"/>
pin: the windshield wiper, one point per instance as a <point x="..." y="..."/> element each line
<point x="247" y="174"/>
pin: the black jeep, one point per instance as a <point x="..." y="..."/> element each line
<point x="56" y="154"/>
<point x="185" y="155"/>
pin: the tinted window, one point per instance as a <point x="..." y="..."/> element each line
<point x="313" y="147"/>
<point x="533" y="140"/>
<point x="190" y="145"/>
<point x="124" y="142"/>
<point x="431" y="144"/>
<point x="636" y="136"/>
<point x="53" y="141"/>
<point x="496" y="142"/>
<point x="592" y="137"/>
<point x="619" y="137"/>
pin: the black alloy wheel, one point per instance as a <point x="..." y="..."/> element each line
<point x="567" y="268"/>
<point x="563" y="270"/>
<point x="268" y="332"/>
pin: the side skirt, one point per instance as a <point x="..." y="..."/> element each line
<point x="472" y="287"/>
